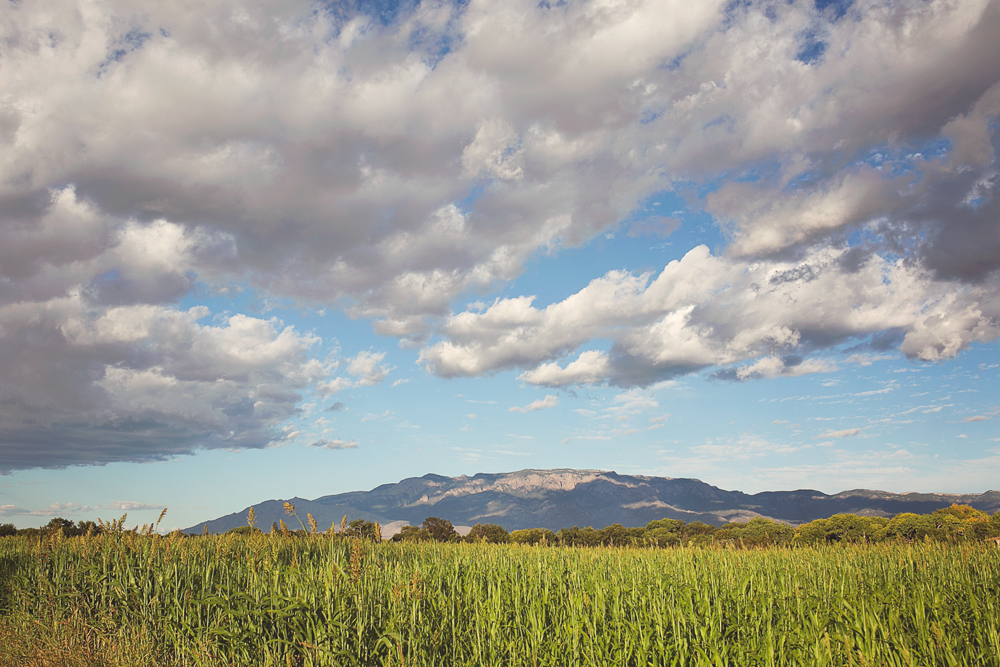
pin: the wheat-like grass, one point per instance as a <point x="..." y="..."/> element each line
<point x="315" y="599"/>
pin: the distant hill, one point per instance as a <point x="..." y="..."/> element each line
<point x="564" y="498"/>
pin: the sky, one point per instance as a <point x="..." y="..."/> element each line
<point x="256" y="250"/>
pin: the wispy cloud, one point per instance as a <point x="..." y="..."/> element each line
<point x="983" y="417"/>
<point x="371" y="416"/>
<point x="846" y="433"/>
<point x="56" y="509"/>
<point x="335" y="444"/>
<point x="550" y="401"/>
<point x="132" y="506"/>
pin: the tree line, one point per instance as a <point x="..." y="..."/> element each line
<point x="957" y="523"/>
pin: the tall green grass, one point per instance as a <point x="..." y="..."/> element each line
<point x="271" y="600"/>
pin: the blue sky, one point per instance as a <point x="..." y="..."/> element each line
<point x="284" y="249"/>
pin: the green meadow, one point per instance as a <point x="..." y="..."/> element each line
<point x="125" y="598"/>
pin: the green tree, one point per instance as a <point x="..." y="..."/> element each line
<point x="440" y="530"/>
<point x="662" y="537"/>
<point x="972" y="524"/>
<point x="993" y="529"/>
<point x="7" y="529"/>
<point x="669" y="525"/>
<point x="663" y="532"/>
<point x="963" y="513"/>
<point x="361" y="529"/>
<point x="488" y="532"/>
<point x="758" y="532"/>
<point x="411" y="534"/>
<point x="533" y="536"/>
<point x="848" y="528"/>
<point x="614" y="535"/>
<point x="909" y="527"/>
<point x="59" y="523"/>
<point x="698" y="528"/>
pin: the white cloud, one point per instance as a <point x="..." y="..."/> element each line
<point x="632" y="402"/>
<point x="703" y="311"/>
<point x="589" y="368"/>
<point x="875" y="392"/>
<point x="747" y="446"/>
<point x="331" y="387"/>
<point x="550" y="401"/>
<point x="55" y="509"/>
<point x="774" y="366"/>
<point x="845" y="433"/>
<point x="144" y="381"/>
<point x="335" y="444"/>
<point x="132" y="506"/>
<point x="983" y="417"/>
<point x="867" y="359"/>
<point x="367" y="367"/>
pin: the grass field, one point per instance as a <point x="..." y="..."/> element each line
<point x="127" y="599"/>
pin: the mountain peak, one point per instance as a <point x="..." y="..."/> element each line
<point x="564" y="497"/>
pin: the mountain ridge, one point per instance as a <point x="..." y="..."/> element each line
<point x="564" y="497"/>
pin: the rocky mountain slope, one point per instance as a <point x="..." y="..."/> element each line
<point x="563" y="498"/>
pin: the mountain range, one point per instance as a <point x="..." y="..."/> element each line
<point x="562" y="498"/>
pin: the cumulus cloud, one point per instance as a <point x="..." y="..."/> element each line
<point x="368" y="369"/>
<point x="333" y="386"/>
<point x="300" y="150"/>
<point x="704" y="310"/>
<point x="550" y="401"/>
<point x="84" y="385"/>
<point x="590" y="367"/>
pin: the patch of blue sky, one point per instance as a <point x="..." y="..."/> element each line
<point x="724" y="121"/>
<point x="833" y="9"/>
<point x="385" y="12"/>
<point x="907" y="158"/>
<point x="131" y="41"/>
<point x="650" y="115"/>
<point x="811" y="49"/>
<point x="762" y="171"/>
<point x="633" y="246"/>
<point x="815" y="420"/>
